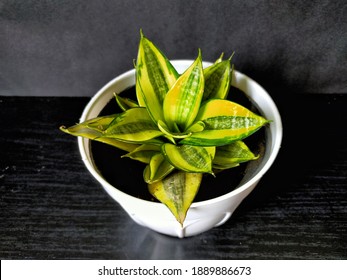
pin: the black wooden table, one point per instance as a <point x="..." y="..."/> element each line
<point x="52" y="208"/>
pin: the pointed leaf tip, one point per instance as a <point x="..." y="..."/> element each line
<point x="155" y="75"/>
<point x="177" y="191"/>
<point x="225" y="122"/>
<point x="182" y="102"/>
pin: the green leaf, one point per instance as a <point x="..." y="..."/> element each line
<point x="134" y="126"/>
<point x="163" y="128"/>
<point x="220" y="58"/>
<point x="182" y="102"/>
<point x="94" y="129"/>
<point x="225" y="122"/>
<point x="232" y="155"/>
<point x="177" y="191"/>
<point x="157" y="169"/>
<point x="125" y="103"/>
<point x="155" y="75"/>
<point x="99" y="124"/>
<point x="217" y="80"/>
<point x="218" y="168"/>
<point x="144" y="152"/>
<point x="189" y="158"/>
<point x="196" y="127"/>
<point x="118" y="144"/>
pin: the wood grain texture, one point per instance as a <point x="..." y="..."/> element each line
<point x="51" y="208"/>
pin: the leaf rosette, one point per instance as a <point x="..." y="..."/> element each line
<point x="180" y="126"/>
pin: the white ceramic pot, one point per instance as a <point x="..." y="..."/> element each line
<point x="203" y="215"/>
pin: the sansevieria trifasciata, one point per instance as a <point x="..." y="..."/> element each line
<point x="181" y="126"/>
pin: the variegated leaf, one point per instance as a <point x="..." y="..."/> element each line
<point x="182" y="102"/>
<point x="177" y="191"/>
<point x="157" y="169"/>
<point x="179" y="135"/>
<point x="144" y="153"/>
<point x="134" y="126"/>
<point x="125" y="103"/>
<point x="232" y="155"/>
<point x="94" y="129"/>
<point x="217" y="80"/>
<point x="155" y="75"/>
<point x="190" y="158"/>
<point x="225" y="122"/>
<point x="196" y="127"/>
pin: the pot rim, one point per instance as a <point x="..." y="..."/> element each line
<point x="84" y="143"/>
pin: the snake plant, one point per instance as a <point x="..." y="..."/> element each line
<point x="181" y="125"/>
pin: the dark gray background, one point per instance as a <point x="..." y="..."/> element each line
<point x="72" y="48"/>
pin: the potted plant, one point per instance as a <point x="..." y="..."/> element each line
<point x="183" y="126"/>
